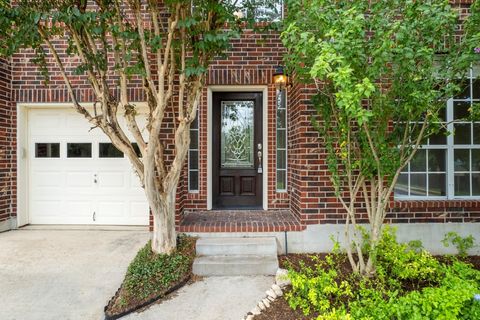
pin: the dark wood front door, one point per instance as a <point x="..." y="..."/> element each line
<point x="237" y="150"/>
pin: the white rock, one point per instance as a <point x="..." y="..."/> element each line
<point x="266" y="302"/>
<point x="281" y="278"/>
<point x="271" y="293"/>
<point x="256" y="311"/>
<point x="261" y="306"/>
<point x="250" y="317"/>
<point x="277" y="290"/>
<point x="271" y="298"/>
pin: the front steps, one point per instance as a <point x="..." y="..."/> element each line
<point x="236" y="256"/>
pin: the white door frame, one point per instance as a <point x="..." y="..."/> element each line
<point x="23" y="217"/>
<point x="240" y="88"/>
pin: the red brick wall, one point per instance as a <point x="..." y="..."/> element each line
<point x="7" y="145"/>
<point x="250" y="62"/>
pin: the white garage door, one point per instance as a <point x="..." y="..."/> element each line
<point x="76" y="176"/>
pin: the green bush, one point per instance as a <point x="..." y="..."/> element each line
<point x="410" y="284"/>
<point x="462" y="244"/>
<point x="150" y="273"/>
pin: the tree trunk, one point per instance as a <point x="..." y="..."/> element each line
<point x="164" y="238"/>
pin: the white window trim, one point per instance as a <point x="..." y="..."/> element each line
<point x="450" y="147"/>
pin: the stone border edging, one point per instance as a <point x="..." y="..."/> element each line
<point x="143" y="305"/>
<point x="275" y="291"/>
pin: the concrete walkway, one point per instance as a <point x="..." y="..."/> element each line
<point x="213" y="298"/>
<point x="63" y="274"/>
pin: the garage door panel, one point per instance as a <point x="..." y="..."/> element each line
<point x="72" y="187"/>
<point x="138" y="208"/>
<point x="112" y="180"/>
<point x="48" y="179"/>
<point x="111" y="209"/>
<point x="80" y="180"/>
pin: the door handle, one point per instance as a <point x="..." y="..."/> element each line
<point x="259" y="155"/>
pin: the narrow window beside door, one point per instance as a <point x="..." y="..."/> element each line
<point x="193" y="157"/>
<point x="281" y="140"/>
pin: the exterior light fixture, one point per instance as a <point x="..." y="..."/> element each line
<point x="280" y="79"/>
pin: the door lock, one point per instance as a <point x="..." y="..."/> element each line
<point x="95" y="180"/>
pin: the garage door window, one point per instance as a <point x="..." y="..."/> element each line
<point x="47" y="150"/>
<point x="79" y="150"/>
<point x="108" y="150"/>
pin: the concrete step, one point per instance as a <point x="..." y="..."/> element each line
<point x="235" y="265"/>
<point x="236" y="246"/>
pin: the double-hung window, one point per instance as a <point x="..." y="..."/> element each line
<point x="448" y="166"/>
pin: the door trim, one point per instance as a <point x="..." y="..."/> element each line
<point x="264" y="91"/>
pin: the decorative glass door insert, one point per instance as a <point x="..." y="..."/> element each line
<point x="237" y="134"/>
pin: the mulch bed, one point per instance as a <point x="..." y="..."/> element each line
<point x="280" y="310"/>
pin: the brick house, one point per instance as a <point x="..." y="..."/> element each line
<point x="255" y="163"/>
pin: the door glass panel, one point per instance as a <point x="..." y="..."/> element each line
<point x="47" y="150"/>
<point x="79" y="150"/>
<point x="237" y="132"/>
<point x="108" y="150"/>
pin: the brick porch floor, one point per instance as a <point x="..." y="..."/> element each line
<point x="240" y="221"/>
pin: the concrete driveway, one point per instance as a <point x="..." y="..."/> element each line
<point x="62" y="274"/>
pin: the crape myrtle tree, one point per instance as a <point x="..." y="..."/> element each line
<point x="166" y="44"/>
<point x="382" y="69"/>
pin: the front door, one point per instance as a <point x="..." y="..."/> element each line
<point x="237" y="150"/>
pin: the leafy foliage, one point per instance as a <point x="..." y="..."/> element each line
<point x="151" y="273"/>
<point x="408" y="285"/>
<point x="382" y="71"/>
<point x="463" y="244"/>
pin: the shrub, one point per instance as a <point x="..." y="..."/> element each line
<point x="410" y="284"/>
<point x="462" y="244"/>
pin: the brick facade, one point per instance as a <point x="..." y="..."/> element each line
<point x="251" y="61"/>
<point x="7" y="145"/>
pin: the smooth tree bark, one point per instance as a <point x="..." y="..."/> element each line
<point x="383" y="71"/>
<point x="113" y="43"/>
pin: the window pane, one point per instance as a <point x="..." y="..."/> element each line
<point x="401" y="188"/>
<point x="108" y="150"/>
<point x="193" y="180"/>
<point x="193" y="139"/>
<point x="136" y="149"/>
<point x="475" y="159"/>
<point x="419" y="162"/>
<point x="476" y="184"/>
<point x="281" y="139"/>
<point x="460" y="110"/>
<point x="461" y="159"/>
<point x="193" y="160"/>
<point x="47" y="150"/>
<point x="436" y="184"/>
<point x="439" y="138"/>
<point x="418" y="184"/>
<point x="476" y="89"/>
<point x="462" y="133"/>
<point x="281" y="119"/>
<point x="281" y="162"/>
<point x="281" y="180"/>
<point x="194" y="124"/>
<point x="476" y="133"/>
<point x="464" y="90"/>
<point x="436" y="160"/>
<point x="79" y="150"/>
<point x="462" y="184"/>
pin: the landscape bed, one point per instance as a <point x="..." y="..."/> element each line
<point x="409" y="284"/>
<point x="150" y="277"/>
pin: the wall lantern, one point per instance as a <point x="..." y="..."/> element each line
<point x="280" y="79"/>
